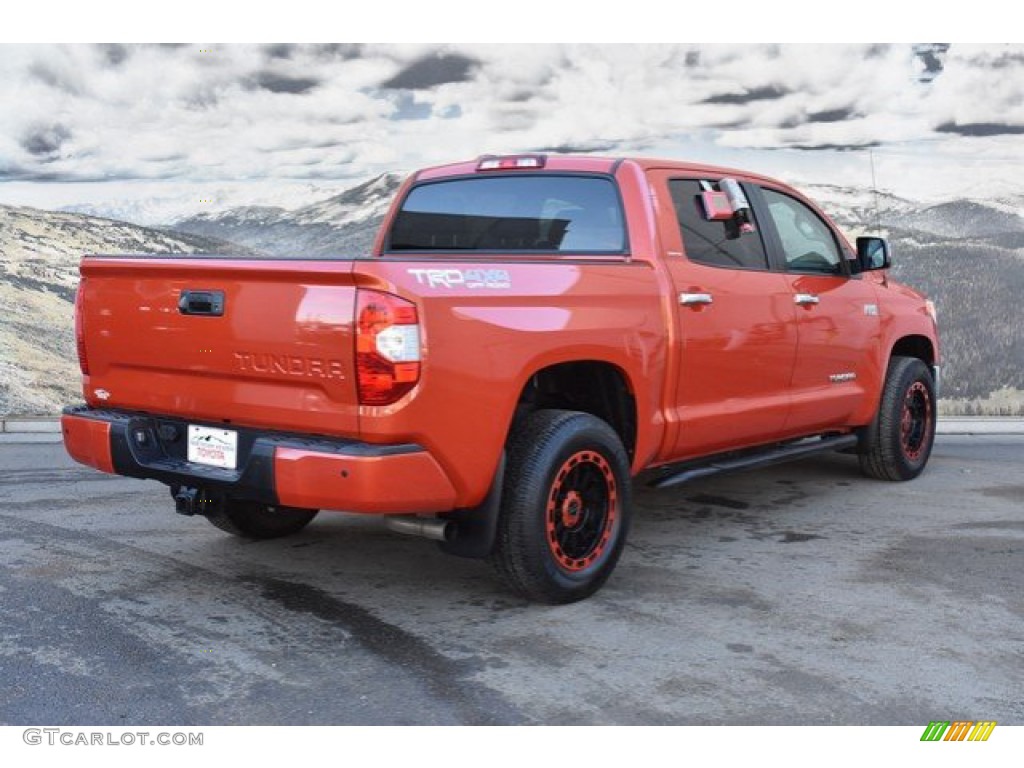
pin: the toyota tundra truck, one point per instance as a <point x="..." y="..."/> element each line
<point x="528" y="334"/>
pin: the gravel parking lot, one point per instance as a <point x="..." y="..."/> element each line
<point x="801" y="594"/>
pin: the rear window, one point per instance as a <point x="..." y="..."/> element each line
<point x="537" y="213"/>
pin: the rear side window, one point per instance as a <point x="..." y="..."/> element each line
<point x="717" y="243"/>
<point x="537" y="213"/>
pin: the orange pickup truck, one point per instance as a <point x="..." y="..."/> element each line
<point x="528" y="334"/>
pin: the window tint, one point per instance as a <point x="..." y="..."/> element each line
<point x="511" y="213"/>
<point x="718" y="243"/>
<point x="807" y="243"/>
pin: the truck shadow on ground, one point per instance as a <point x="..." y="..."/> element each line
<point x="352" y="553"/>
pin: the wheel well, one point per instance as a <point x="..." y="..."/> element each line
<point x="593" y="387"/>
<point x="915" y="346"/>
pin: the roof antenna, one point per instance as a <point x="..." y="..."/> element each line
<point x="874" y="188"/>
<point x="874" y="191"/>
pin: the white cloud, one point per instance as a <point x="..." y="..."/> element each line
<point x="223" y="114"/>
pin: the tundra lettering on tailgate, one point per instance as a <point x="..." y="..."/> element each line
<point x="289" y="365"/>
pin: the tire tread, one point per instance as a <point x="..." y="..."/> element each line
<point x="881" y="455"/>
<point x="534" y="442"/>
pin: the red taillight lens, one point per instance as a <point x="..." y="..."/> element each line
<point x="387" y="347"/>
<point x="83" y="358"/>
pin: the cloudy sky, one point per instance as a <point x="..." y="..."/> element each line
<point x="157" y="131"/>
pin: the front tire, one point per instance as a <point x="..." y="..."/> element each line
<point x="899" y="441"/>
<point x="565" y="509"/>
<point x="252" y="520"/>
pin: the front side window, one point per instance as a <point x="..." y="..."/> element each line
<point x="538" y="213"/>
<point x="718" y="243"/>
<point x="808" y="244"/>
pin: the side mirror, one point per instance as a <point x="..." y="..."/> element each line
<point x="873" y="253"/>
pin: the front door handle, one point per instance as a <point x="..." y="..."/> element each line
<point x="806" y="299"/>
<point x="695" y="299"/>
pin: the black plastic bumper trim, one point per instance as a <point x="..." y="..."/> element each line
<point x="163" y="457"/>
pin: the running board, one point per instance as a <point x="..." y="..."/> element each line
<point x="764" y="458"/>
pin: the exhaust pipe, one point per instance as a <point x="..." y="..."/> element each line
<point x="426" y="527"/>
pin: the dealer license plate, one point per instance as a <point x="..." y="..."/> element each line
<point x="213" y="447"/>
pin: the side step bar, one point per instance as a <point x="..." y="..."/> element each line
<point x="764" y="458"/>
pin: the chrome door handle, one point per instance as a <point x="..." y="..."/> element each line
<point x="693" y="299"/>
<point x="804" y="299"/>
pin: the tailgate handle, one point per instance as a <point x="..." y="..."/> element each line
<point x="201" y="303"/>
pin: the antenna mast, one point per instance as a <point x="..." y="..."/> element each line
<point x="874" y="192"/>
<point x="874" y="187"/>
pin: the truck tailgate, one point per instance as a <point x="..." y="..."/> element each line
<point x="259" y="343"/>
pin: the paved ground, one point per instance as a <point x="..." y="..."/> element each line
<point x="799" y="594"/>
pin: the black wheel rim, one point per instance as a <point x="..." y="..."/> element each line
<point x="915" y="421"/>
<point x="582" y="511"/>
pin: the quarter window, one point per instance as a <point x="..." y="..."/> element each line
<point x="808" y="244"/>
<point x="717" y="243"/>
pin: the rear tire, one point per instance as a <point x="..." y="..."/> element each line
<point x="252" y="520"/>
<point x="565" y="508"/>
<point x="899" y="441"/>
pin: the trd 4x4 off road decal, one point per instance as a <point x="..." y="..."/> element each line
<point x="463" y="278"/>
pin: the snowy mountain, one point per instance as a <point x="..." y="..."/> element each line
<point x="968" y="255"/>
<point x="858" y="210"/>
<point x="343" y="225"/>
<point x="153" y="204"/>
<point x="39" y="256"/>
<point x="964" y="220"/>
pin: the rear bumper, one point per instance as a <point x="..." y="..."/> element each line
<point x="273" y="467"/>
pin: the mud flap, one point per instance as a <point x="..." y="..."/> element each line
<point x="476" y="528"/>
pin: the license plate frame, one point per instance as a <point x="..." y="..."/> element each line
<point x="213" y="446"/>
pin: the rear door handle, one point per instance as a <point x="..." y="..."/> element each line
<point x="806" y="299"/>
<point x="695" y="299"/>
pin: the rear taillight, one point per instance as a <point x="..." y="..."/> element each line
<point x="387" y="347"/>
<point x="83" y="358"/>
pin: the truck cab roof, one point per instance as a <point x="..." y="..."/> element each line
<point x="582" y="164"/>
